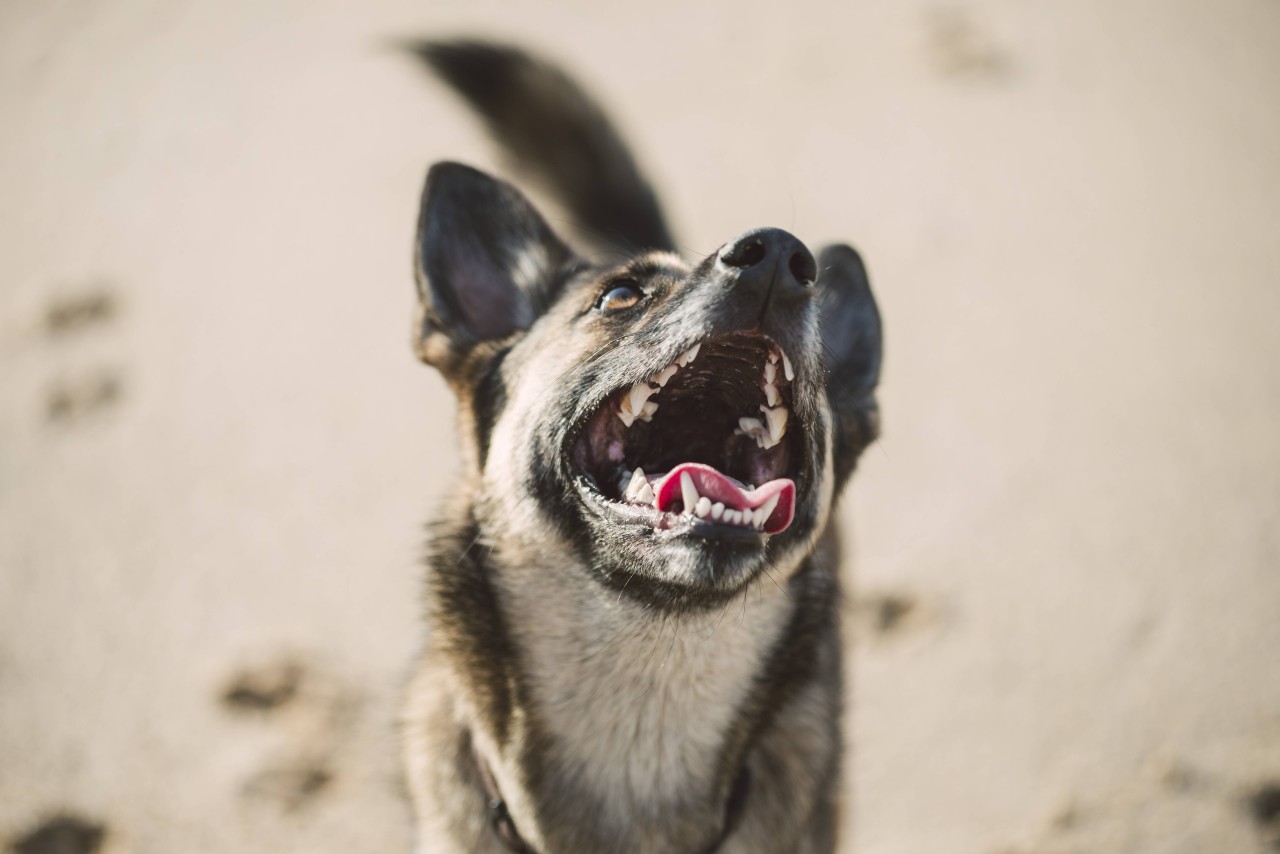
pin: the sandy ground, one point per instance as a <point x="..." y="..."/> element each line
<point x="216" y="450"/>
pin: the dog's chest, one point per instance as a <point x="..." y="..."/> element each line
<point x="638" y="703"/>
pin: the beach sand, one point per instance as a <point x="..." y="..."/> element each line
<point x="217" y="452"/>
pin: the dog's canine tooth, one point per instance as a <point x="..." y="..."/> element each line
<point x="688" y="492"/>
<point x="688" y="355"/>
<point x="717" y="511"/>
<point x="662" y="376"/>
<point x="639" y="396"/>
<point x="789" y="371"/>
<point x="777" y="418"/>
<point x="703" y="507"/>
<point x="766" y="510"/>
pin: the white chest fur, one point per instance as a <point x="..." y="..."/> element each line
<point x="639" y="703"/>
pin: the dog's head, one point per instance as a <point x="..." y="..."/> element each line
<point x="682" y="428"/>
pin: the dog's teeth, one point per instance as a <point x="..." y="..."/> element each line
<point x="662" y="376"/>
<point x="646" y="411"/>
<point x="766" y="510"/>
<point x="771" y="395"/>
<point x="717" y="511"/>
<point x="751" y="487"/>
<point x="703" y="507"/>
<point x="688" y="492"/>
<point x="787" y="369"/>
<point x="777" y="419"/>
<point x="625" y="416"/>
<point x="770" y="372"/>
<point x="731" y="517"/>
<point x="688" y="355"/>
<point x="773" y="355"/>
<point x="633" y="483"/>
<point x="639" y="396"/>
<point x="750" y="426"/>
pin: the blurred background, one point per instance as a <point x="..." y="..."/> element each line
<point x="217" y="451"/>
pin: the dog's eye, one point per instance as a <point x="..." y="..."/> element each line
<point x="621" y="295"/>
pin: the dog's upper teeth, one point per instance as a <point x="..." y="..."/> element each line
<point x="639" y="396"/>
<point x="688" y="355"/>
<point x="717" y="510"/>
<point x="777" y="425"/>
<point x="661" y="377"/>
<point x="789" y="371"/>
<point x="688" y="492"/>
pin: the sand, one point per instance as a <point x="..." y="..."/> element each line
<point x="217" y="452"/>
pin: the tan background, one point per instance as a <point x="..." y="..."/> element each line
<point x="216" y="451"/>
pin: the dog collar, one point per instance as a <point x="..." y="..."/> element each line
<point x="504" y="827"/>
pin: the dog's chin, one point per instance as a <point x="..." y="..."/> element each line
<point x="679" y="561"/>
<point x="691" y="564"/>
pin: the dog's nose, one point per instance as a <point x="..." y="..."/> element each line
<point x="770" y="254"/>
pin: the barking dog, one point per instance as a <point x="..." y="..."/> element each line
<point x="633" y="593"/>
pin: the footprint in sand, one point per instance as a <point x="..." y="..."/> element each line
<point x="62" y="834"/>
<point x="83" y="392"/>
<point x="311" y="712"/>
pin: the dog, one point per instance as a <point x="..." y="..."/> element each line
<point x="632" y="592"/>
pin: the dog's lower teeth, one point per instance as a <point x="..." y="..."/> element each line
<point x="688" y="493"/>
<point x="638" y="490"/>
<point x="766" y="509"/>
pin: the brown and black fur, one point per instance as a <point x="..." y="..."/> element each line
<point x="586" y="685"/>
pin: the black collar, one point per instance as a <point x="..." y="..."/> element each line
<point x="504" y="827"/>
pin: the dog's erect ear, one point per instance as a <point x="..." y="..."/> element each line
<point x="852" y="344"/>
<point x="487" y="265"/>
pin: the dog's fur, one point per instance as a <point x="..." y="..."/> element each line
<point x="587" y="683"/>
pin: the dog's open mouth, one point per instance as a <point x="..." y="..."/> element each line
<point x="705" y="443"/>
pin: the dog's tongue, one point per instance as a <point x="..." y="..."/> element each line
<point x="717" y="487"/>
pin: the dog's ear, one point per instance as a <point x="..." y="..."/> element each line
<point x="487" y="265"/>
<point x="852" y="344"/>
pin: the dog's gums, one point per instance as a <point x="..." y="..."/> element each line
<point x="694" y="438"/>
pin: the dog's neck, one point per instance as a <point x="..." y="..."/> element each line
<point x="637" y="703"/>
